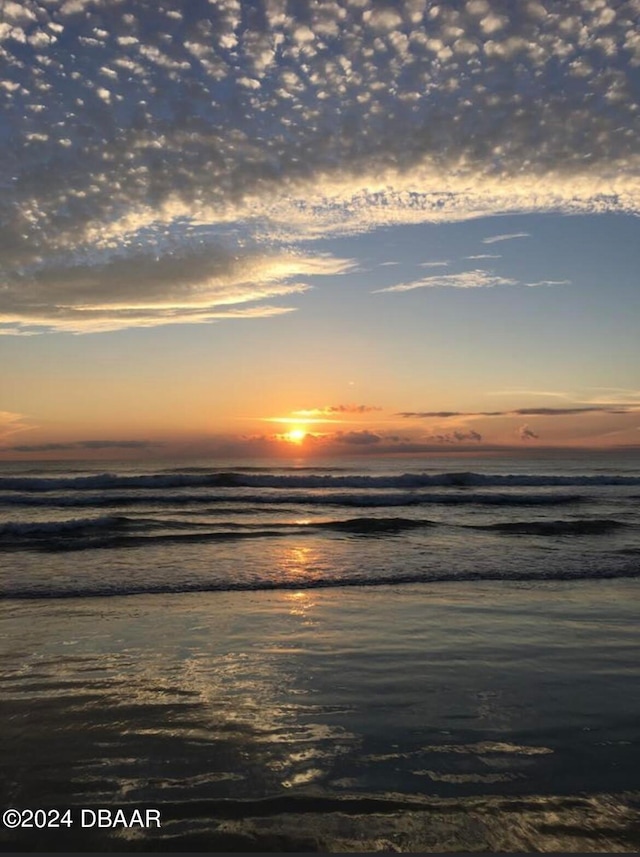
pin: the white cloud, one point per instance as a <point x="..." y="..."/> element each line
<point x="312" y="120"/>
<point x="492" y="23"/>
<point x="465" y="280"/>
<point x="303" y="34"/>
<point x="485" y="256"/>
<point x="383" y="19"/>
<point x="18" y="14"/>
<point x="494" y="239"/>
<point x="551" y="283"/>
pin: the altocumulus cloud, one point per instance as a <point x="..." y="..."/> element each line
<point x="214" y="136"/>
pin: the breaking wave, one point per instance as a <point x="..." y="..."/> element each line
<point x="329" y="498"/>
<point x="121" y="531"/>
<point x="73" y="534"/>
<point x="238" y="479"/>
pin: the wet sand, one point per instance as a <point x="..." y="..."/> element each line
<point x="491" y="717"/>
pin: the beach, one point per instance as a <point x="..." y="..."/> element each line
<point x="351" y="656"/>
<point x="320" y="426"/>
<point x="409" y="718"/>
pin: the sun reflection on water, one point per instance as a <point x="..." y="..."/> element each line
<point x="298" y="559"/>
<point x="300" y="604"/>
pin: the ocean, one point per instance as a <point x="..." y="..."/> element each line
<point x="366" y="654"/>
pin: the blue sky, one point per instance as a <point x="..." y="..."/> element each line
<point x="216" y="214"/>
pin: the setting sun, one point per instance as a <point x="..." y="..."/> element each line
<point x="296" y="435"/>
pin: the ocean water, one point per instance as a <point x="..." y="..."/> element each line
<point x="74" y="530"/>
<point x="398" y="655"/>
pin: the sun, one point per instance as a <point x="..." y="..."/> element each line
<point x="296" y="435"/>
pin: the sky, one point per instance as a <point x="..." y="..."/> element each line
<point x="318" y="227"/>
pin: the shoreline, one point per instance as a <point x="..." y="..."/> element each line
<point x="467" y="717"/>
<point x="601" y="823"/>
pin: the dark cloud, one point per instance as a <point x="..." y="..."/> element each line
<point x="357" y="438"/>
<point x="526" y="433"/>
<point x="539" y="412"/>
<point x="426" y="414"/>
<point x="450" y="414"/>
<point x="558" y="412"/>
<point x="455" y="437"/>
<point x="86" y="444"/>
<point x="117" y="444"/>
<point x="42" y="447"/>
<point x="461" y="436"/>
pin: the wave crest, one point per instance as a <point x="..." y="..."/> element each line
<point x="237" y="479"/>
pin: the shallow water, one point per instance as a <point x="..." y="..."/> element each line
<point x="180" y="527"/>
<point x="510" y="692"/>
<point x="425" y="655"/>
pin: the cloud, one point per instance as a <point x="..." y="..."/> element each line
<point x="12" y="423"/>
<point x="325" y="443"/>
<point x="358" y="438"/>
<point x="616" y="396"/>
<point x="117" y="444"/>
<point x="343" y="443"/>
<point x="484" y="256"/>
<point x="465" y="280"/>
<point x="455" y="437"/>
<point x="551" y="283"/>
<point x="144" y="290"/>
<point x="526" y="433"/>
<point x="536" y="412"/>
<point x="553" y="393"/>
<point x="429" y="414"/>
<point x="383" y="19"/>
<point x="132" y="132"/>
<point x="86" y="444"/>
<point x="337" y="409"/>
<point x="496" y="238"/>
<point x="392" y="443"/>
<point x="558" y="412"/>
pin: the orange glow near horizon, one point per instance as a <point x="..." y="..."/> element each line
<point x="306" y="421"/>
<point x="296" y="435"/>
